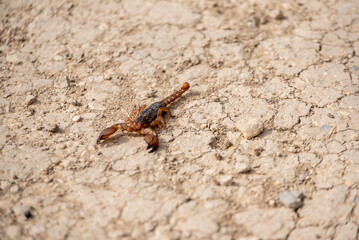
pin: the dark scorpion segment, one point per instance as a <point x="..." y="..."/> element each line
<point x="144" y="120"/>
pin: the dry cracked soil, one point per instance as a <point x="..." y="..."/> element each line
<point x="69" y="69"/>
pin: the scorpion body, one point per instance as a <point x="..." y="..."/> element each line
<point x="149" y="114"/>
<point x="144" y="120"/>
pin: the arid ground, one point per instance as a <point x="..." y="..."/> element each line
<point x="69" y="69"/>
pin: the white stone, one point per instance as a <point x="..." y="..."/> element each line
<point x="30" y="99"/>
<point x="57" y="58"/>
<point x="63" y="82"/>
<point x="293" y="199"/>
<point x="241" y="167"/>
<point x="77" y="118"/>
<point x="14" y="189"/>
<point x="250" y="128"/>
<point x="276" y="14"/>
<point x="224" y="180"/>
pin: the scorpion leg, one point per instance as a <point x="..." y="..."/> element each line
<point x="143" y="107"/>
<point x="151" y="138"/>
<point x="137" y="112"/>
<point x="111" y="130"/>
<point x="164" y="109"/>
<point x="160" y="120"/>
<point x="133" y="114"/>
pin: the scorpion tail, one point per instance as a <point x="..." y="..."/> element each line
<point x="176" y="95"/>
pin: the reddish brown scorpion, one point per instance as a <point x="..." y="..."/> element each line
<point x="144" y="120"/>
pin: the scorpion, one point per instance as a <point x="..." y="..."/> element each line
<point x="144" y="120"/>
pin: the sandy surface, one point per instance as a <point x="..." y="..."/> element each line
<point x="69" y="69"/>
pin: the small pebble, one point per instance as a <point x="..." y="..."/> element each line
<point x="14" y="189"/>
<point x="63" y="82"/>
<point x="150" y="94"/>
<point x="355" y="137"/>
<point x="224" y="180"/>
<point x="301" y="178"/>
<point x="7" y="108"/>
<point x="263" y="20"/>
<point x="276" y="14"/>
<point x="254" y="22"/>
<point x="53" y="128"/>
<point x="60" y="146"/>
<point x="77" y="118"/>
<point x="30" y="99"/>
<point x="271" y="203"/>
<point x="57" y="58"/>
<point x="30" y="112"/>
<point x="214" y="127"/>
<point x="292" y="199"/>
<point x="293" y="149"/>
<point x="250" y="128"/>
<point x="242" y="167"/>
<point x="116" y="54"/>
<point x="330" y="115"/>
<point x="107" y="77"/>
<point x="74" y="102"/>
<point x="257" y="151"/>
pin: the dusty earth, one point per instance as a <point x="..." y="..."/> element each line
<point x="71" y="68"/>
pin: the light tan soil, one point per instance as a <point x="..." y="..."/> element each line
<point x="69" y="69"/>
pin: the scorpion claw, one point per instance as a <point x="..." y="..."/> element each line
<point x="106" y="133"/>
<point x="153" y="149"/>
<point x="152" y="142"/>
